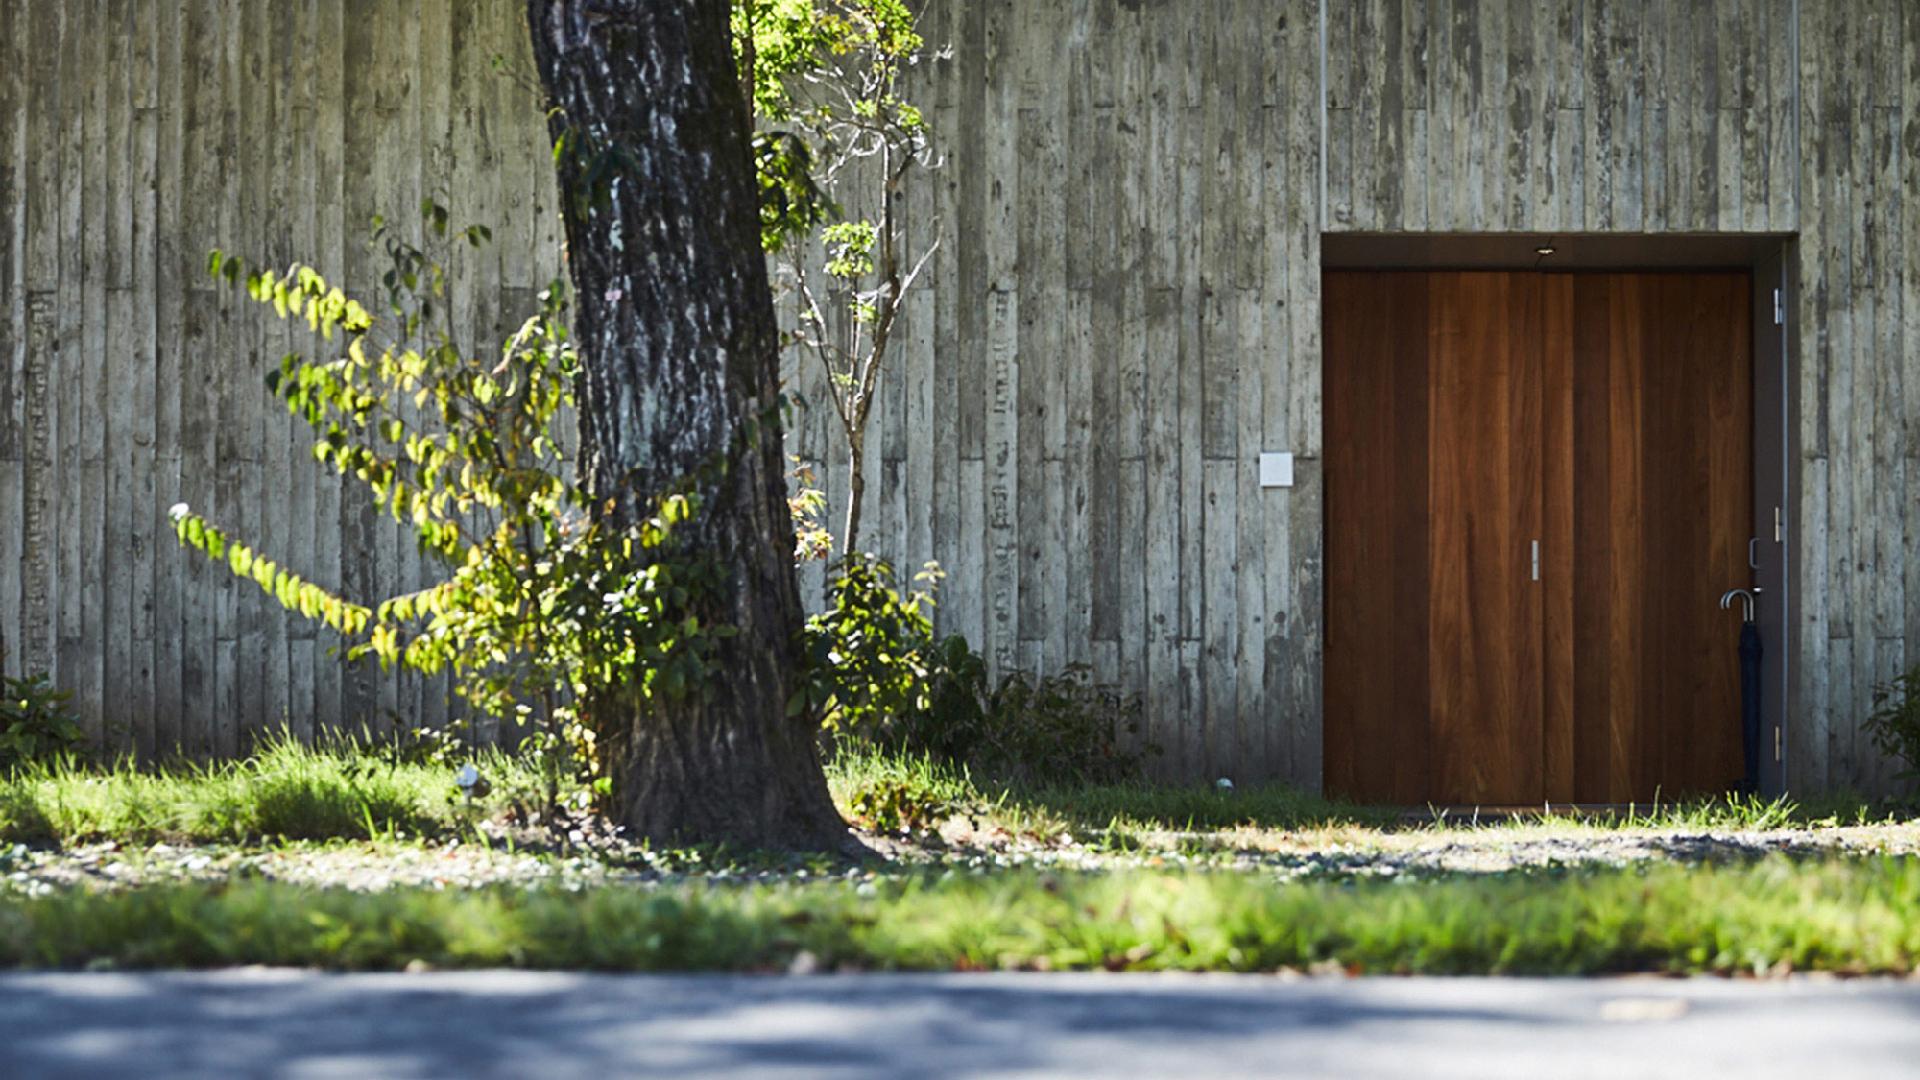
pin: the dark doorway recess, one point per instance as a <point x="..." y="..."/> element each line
<point x="1538" y="485"/>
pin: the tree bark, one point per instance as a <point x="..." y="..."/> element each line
<point x="856" y="486"/>
<point x="675" y="325"/>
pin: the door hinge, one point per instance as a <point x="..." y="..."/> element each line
<point x="1776" y="743"/>
<point x="1779" y="307"/>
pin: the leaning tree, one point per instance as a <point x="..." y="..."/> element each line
<point x="679" y="395"/>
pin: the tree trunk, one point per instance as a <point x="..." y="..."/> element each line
<point x="675" y="325"/>
<point x="856" y="487"/>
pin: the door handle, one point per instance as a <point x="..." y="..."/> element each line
<point x="1536" y="560"/>
<point x="1753" y="553"/>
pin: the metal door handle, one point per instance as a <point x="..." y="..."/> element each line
<point x="1753" y="553"/>
<point x="1536" y="560"/>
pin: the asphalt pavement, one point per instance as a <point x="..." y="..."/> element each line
<point x="269" y="1023"/>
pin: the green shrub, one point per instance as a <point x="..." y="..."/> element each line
<point x="1894" y="725"/>
<point x="35" y="723"/>
<point x="895" y="804"/>
<point x="1062" y="728"/>
<point x="877" y="673"/>
<point x="547" y="617"/>
<point x="867" y="653"/>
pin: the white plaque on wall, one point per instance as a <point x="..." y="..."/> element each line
<point x="1276" y="470"/>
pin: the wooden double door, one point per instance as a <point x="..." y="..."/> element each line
<point x="1538" y="486"/>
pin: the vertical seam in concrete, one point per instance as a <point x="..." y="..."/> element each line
<point x="1793" y="50"/>
<point x="1323" y="115"/>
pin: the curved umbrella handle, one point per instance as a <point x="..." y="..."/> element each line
<point x="1747" y="600"/>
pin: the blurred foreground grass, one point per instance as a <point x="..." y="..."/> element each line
<point x="1768" y="916"/>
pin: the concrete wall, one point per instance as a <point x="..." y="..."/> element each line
<point x="134" y="137"/>
<point x="1122" y="314"/>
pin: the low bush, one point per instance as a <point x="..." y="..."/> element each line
<point x="1061" y="729"/>
<point x="868" y="653"/>
<point x="897" y="806"/>
<point x="36" y="725"/>
<point x="878" y="674"/>
<point x="1894" y="725"/>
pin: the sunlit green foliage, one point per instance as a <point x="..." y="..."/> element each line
<point x="876" y="672"/>
<point x="37" y="723"/>
<point x="1894" y="724"/>
<point x="868" y="651"/>
<point x="835" y="142"/>
<point x="808" y="505"/>
<point x="543" y="613"/>
<point x="823" y="77"/>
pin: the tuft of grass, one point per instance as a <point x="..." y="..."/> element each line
<point x="1135" y="815"/>
<point x="1718" y="813"/>
<point x="860" y="776"/>
<point x="856" y="769"/>
<point x="1193" y="808"/>
<point x="286" y="789"/>
<point x="1763" y="917"/>
<point x="356" y="791"/>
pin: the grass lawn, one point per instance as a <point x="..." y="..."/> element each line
<point x="354" y="860"/>
<point x="284" y="791"/>
<point x="1766" y="917"/>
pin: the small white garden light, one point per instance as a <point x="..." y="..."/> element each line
<point x="470" y="782"/>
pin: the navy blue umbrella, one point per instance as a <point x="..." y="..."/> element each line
<point x="1750" y="651"/>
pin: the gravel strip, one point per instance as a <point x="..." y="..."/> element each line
<point x="1289" y="856"/>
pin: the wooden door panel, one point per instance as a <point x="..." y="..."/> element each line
<point x="1606" y="528"/>
<point x="1375" y="401"/>
<point x="1434" y="465"/>
<point x="1704" y="326"/>
<point x="1484" y="465"/>
<point x="1722" y="346"/>
<point x="1558" y="758"/>
<point x="1468" y="414"/>
<point x="1663" y="497"/>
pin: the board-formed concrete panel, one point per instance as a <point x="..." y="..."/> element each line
<point x="1123" y="314"/>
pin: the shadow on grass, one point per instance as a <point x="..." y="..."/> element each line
<point x="1195" y="807"/>
<point x="1040" y="809"/>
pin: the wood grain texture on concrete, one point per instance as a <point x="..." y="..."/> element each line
<point x="1124" y="311"/>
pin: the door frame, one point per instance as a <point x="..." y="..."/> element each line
<point x="1774" y="508"/>
<point x="1767" y="257"/>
